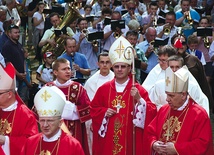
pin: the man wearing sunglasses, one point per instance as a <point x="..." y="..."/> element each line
<point x="17" y="121"/>
<point x="131" y="6"/>
<point x="118" y="105"/>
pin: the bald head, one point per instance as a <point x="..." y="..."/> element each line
<point x="150" y="34"/>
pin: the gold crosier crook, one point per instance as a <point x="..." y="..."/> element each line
<point x="127" y="55"/>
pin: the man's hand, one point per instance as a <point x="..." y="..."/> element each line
<point x="135" y="93"/>
<point x="21" y="76"/>
<point x="2" y="139"/>
<point x="52" y="42"/>
<point x="159" y="147"/>
<point x="76" y="67"/>
<point x="170" y="148"/>
<point x="110" y="112"/>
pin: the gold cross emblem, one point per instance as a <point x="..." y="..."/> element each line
<point x="45" y="96"/>
<point x="167" y="81"/>
<point x="120" y="49"/>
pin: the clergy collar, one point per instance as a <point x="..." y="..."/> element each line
<point x="104" y="77"/>
<point x="54" y="138"/>
<point x="56" y="82"/>
<point x="11" y="107"/>
<point x="121" y="87"/>
<point x="184" y="105"/>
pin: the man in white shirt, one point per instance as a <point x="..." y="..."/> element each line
<point x="104" y="74"/>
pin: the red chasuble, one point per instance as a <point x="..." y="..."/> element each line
<point x="118" y="139"/>
<point x="65" y="145"/>
<point x="76" y="93"/>
<point x="18" y="125"/>
<point x="189" y="130"/>
<point x="1" y="151"/>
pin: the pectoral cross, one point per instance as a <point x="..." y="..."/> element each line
<point x="168" y="133"/>
<point x="118" y="106"/>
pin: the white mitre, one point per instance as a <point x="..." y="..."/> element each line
<point x="176" y="82"/>
<point x="49" y="101"/>
<point x="121" y="51"/>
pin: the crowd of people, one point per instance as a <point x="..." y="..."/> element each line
<point x="114" y="77"/>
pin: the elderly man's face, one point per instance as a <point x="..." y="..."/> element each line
<point x="49" y="125"/>
<point x="175" y="100"/>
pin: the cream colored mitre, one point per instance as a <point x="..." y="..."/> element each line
<point x="121" y="51"/>
<point x="49" y="101"/>
<point x="7" y="77"/>
<point x="176" y="81"/>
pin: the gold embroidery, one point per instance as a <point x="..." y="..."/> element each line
<point x="5" y="127"/>
<point x="171" y="126"/>
<point x="45" y="96"/>
<point x="167" y="81"/>
<point x="118" y="103"/>
<point x="117" y="133"/>
<point x="45" y="152"/>
<point x="120" y="49"/>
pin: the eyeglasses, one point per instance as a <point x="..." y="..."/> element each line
<point x="120" y="66"/>
<point x="104" y="62"/>
<point x="48" y="121"/>
<point x="4" y="92"/>
<point x="163" y="61"/>
<point x="131" y="8"/>
<point x="105" y="5"/>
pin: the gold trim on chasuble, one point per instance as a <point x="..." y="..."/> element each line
<point x="118" y="103"/>
<point x="5" y="126"/>
<point x="172" y="126"/>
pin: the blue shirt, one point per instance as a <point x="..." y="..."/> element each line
<point x="186" y="27"/>
<point x="152" y="59"/>
<point x="86" y="48"/>
<point x="79" y="59"/>
<point x="127" y="18"/>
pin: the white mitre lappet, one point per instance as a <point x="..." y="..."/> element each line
<point x="49" y="101"/>
<point x="121" y="51"/>
<point x="7" y="77"/>
<point x="176" y="82"/>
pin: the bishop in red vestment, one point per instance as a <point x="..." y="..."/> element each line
<point x="65" y="145"/>
<point x="17" y="122"/>
<point x="118" y="108"/>
<point x="49" y="102"/>
<point x="181" y="126"/>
